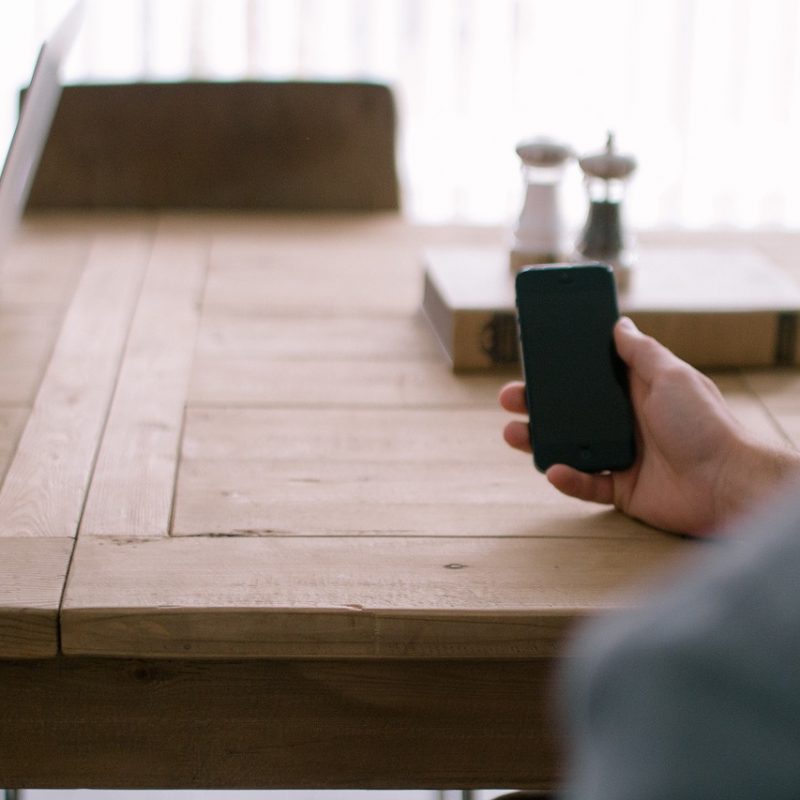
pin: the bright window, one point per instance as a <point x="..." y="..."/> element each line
<point x="704" y="93"/>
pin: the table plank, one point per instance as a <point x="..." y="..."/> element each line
<point x="44" y="490"/>
<point x="26" y="342"/>
<point x="290" y="338"/>
<point x="243" y="381"/>
<point x="746" y="396"/>
<point x="38" y="276"/>
<point x="778" y="391"/>
<point x="12" y="421"/>
<point x="336" y="267"/>
<point x="411" y="436"/>
<point x="42" y="266"/>
<point x="369" y="497"/>
<point x="33" y="572"/>
<point x="344" y="472"/>
<point x="345" y="597"/>
<point x="133" y="484"/>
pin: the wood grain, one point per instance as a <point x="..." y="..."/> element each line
<point x="748" y="399"/>
<point x="242" y="381"/>
<point x="44" y="490"/>
<point x="354" y="470"/>
<point x="12" y="421"/>
<point x="132" y="488"/>
<point x="422" y="472"/>
<point x="313" y="337"/>
<point x="409" y="436"/>
<point x="26" y="341"/>
<point x="108" y="723"/>
<point x="43" y="265"/>
<point x="316" y="279"/>
<point x="318" y="496"/>
<point x="777" y="391"/>
<point x="338" y="597"/>
<point x="32" y="576"/>
<point x="38" y="274"/>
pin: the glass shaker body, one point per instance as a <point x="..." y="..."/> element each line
<point x="538" y="235"/>
<point x="604" y="237"/>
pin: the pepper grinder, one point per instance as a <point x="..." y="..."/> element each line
<point x="538" y="236"/>
<point x="604" y="238"/>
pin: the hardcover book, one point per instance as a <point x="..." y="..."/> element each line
<point x="713" y="307"/>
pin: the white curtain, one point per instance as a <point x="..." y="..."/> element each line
<point x="704" y="93"/>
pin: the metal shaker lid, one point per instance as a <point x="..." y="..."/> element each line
<point x="609" y="164"/>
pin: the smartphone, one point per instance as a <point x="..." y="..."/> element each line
<point x="576" y="385"/>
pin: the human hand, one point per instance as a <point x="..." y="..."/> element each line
<point x="695" y="467"/>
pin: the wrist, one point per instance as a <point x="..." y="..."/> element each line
<point x="753" y="471"/>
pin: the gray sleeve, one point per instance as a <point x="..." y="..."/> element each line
<point x="696" y="694"/>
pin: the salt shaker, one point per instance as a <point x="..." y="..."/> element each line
<point x="538" y="235"/>
<point x="604" y="237"/>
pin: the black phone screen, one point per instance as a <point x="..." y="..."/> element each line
<point x="576" y="384"/>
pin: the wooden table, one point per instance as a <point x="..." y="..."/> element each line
<point x="254" y="532"/>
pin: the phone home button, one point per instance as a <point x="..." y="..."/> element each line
<point x="585" y="453"/>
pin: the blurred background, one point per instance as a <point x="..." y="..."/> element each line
<point x="704" y="93"/>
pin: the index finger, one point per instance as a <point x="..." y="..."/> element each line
<point x="645" y="356"/>
<point x="512" y="398"/>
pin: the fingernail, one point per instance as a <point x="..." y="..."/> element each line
<point x="627" y="323"/>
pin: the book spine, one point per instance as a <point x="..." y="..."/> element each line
<point x="786" y="344"/>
